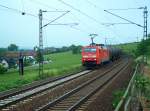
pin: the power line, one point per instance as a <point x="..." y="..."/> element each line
<point x="130" y="22"/>
<point x="82" y="22"/>
<point x="56" y="18"/>
<point x="127" y="8"/>
<point x="106" y="25"/>
<point x="42" y="4"/>
<point x="36" y="16"/>
<point x="26" y="13"/>
<point x="80" y="11"/>
<point x="45" y="5"/>
<point x="83" y="13"/>
<point x="91" y="3"/>
<point x="109" y="24"/>
<point x="81" y="30"/>
<point x="112" y="24"/>
<point x="71" y="24"/>
<point x="18" y="11"/>
<point x="124" y="19"/>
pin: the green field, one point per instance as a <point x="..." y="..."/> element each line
<point x="129" y="48"/>
<point x="62" y="63"/>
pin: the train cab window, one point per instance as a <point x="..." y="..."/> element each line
<point x="90" y="50"/>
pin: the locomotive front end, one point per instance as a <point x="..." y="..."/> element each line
<point x="89" y="56"/>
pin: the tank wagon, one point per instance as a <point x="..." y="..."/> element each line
<point x="97" y="54"/>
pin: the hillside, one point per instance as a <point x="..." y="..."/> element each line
<point x="129" y="48"/>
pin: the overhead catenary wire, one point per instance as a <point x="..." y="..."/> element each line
<point x="82" y="22"/>
<point x="36" y="16"/>
<point x="78" y="10"/>
<point x="123" y="18"/>
<point x="83" y="13"/>
<point x="56" y="18"/>
<point x="91" y="3"/>
<point x="81" y="30"/>
<point x="101" y="9"/>
<point x="127" y="8"/>
<point x="50" y="7"/>
<point x="129" y="22"/>
<point x="112" y="24"/>
<point x="42" y="4"/>
<point x="17" y="10"/>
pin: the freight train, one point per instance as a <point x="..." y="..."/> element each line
<point x="97" y="54"/>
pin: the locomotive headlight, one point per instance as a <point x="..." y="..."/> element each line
<point x="94" y="56"/>
<point x="91" y="56"/>
<point x="85" y="56"/>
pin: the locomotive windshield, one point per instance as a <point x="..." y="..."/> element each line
<point x="90" y="50"/>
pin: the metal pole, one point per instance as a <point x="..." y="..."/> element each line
<point x="92" y="40"/>
<point x="145" y="21"/>
<point x="145" y="31"/>
<point x="105" y="41"/>
<point x="92" y="37"/>
<point x="40" y="43"/>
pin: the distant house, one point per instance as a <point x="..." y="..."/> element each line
<point x="4" y="63"/>
<point x="29" y="59"/>
<point x="11" y="57"/>
<point x="16" y="54"/>
<point x="48" y="50"/>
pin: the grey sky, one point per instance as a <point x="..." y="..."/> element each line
<point x="23" y="30"/>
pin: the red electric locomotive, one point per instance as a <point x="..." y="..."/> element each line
<point x="98" y="53"/>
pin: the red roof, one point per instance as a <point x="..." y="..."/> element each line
<point x="16" y="54"/>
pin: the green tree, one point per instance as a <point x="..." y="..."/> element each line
<point x="39" y="56"/>
<point x="76" y="49"/>
<point x="2" y="51"/>
<point x="143" y="47"/>
<point x="12" y="47"/>
<point x="2" y="69"/>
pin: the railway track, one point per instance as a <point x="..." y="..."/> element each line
<point x="27" y="87"/>
<point x="11" y="103"/>
<point x="19" y="96"/>
<point x="74" y="98"/>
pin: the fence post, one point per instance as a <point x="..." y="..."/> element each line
<point x="129" y="93"/>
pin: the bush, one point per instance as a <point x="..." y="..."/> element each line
<point x="76" y="50"/>
<point x="144" y="47"/>
<point x="141" y="83"/>
<point x="2" y="69"/>
<point x="117" y="95"/>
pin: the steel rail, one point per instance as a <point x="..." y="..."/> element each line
<point x="12" y="93"/>
<point x="28" y="93"/>
<point x="12" y="100"/>
<point x="82" y="100"/>
<point x="52" y="103"/>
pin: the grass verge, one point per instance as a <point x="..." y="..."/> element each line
<point x="117" y="95"/>
<point x="62" y="63"/>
